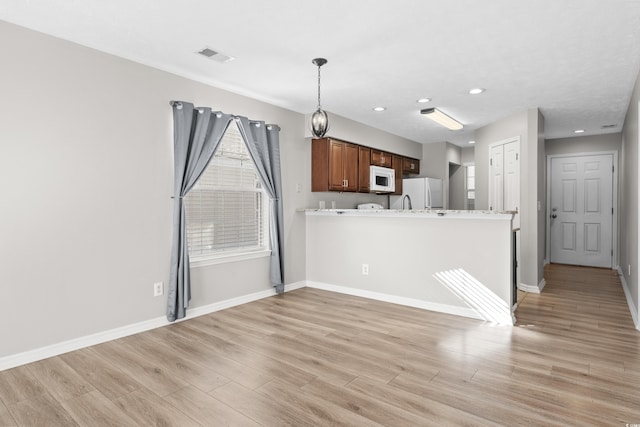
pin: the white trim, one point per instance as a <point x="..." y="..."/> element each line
<point x="616" y="207"/>
<point x="531" y="288"/>
<point x="23" y="358"/>
<point x="223" y="258"/>
<point x="410" y="302"/>
<point x="627" y="293"/>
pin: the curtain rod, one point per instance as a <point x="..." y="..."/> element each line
<point x="178" y="104"/>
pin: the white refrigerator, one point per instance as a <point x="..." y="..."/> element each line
<point x="425" y="193"/>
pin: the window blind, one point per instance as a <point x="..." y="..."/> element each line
<point x="227" y="208"/>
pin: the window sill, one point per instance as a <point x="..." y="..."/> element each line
<point x="228" y="257"/>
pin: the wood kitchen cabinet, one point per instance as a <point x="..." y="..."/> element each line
<point x="334" y="165"/>
<point x="397" y="163"/>
<point x="364" y="161"/>
<point x="380" y="158"/>
<point x="410" y="166"/>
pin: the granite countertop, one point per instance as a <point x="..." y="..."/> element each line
<point x="413" y="213"/>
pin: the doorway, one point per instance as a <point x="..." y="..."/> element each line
<point x="581" y="219"/>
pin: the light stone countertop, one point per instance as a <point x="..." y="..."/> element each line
<point x="413" y="213"/>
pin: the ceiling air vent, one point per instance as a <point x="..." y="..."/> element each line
<point x="608" y="126"/>
<point x="215" y="55"/>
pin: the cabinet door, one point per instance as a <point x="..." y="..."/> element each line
<point x="350" y="167"/>
<point x="411" y="165"/>
<point x="336" y="165"/>
<point x="380" y="158"/>
<point x="364" y="161"/>
<point x="397" y="163"/>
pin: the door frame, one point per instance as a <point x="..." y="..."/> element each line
<point x="614" y="225"/>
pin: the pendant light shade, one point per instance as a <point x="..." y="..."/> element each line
<point x="319" y="123"/>
<point x="320" y="118"/>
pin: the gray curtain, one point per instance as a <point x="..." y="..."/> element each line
<point x="197" y="134"/>
<point x="263" y="143"/>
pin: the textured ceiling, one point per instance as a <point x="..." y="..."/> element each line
<point x="577" y="60"/>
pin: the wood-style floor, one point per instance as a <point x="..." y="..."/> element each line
<point x="315" y="358"/>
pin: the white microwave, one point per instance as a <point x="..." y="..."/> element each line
<point x="382" y="180"/>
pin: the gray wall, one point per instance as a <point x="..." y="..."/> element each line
<point x="417" y="250"/>
<point x="629" y="198"/>
<point x="467" y="155"/>
<point x="584" y="144"/>
<point x="435" y="164"/>
<point x="529" y="126"/>
<point x="86" y="167"/>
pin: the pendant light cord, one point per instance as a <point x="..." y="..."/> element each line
<point x="319" y="106"/>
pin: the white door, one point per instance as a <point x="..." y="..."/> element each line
<point x="496" y="186"/>
<point x="581" y="210"/>
<point x="512" y="180"/>
<point x="504" y="188"/>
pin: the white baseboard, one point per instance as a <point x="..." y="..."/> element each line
<point x="542" y="284"/>
<point x="627" y="293"/>
<point x="532" y="288"/>
<point x="11" y="361"/>
<point x="410" y="302"/>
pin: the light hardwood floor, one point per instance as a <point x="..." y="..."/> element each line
<point x="317" y="358"/>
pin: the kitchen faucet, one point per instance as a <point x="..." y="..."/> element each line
<point x="406" y="196"/>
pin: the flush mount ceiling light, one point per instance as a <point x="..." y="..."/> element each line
<point x="320" y="118"/>
<point x="379" y="108"/>
<point x="472" y="142"/>
<point x="423" y="100"/>
<point x="442" y="119"/>
<point x="578" y="131"/>
<point x="476" y="91"/>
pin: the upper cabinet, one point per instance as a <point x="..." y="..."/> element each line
<point x="411" y="166"/>
<point x="364" y="161"/>
<point x="397" y="162"/>
<point x="342" y="166"/>
<point x="380" y="158"/>
<point x="334" y="165"/>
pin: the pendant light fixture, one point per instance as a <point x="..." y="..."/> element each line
<point x="320" y="118"/>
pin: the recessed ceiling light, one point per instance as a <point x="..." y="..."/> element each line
<point x="476" y="91"/>
<point x="423" y="100"/>
<point x="578" y="131"/>
<point x="379" y="108"/>
<point x="472" y="142"/>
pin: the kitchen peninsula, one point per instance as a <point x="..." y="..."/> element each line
<point x="456" y="262"/>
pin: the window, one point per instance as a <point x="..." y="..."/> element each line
<point x="470" y="185"/>
<point x="227" y="209"/>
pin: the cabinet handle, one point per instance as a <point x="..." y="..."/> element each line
<point x="346" y="182"/>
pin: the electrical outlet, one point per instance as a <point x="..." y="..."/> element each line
<point x="157" y="289"/>
<point x="365" y="269"/>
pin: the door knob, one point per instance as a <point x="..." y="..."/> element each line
<point x="554" y="215"/>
